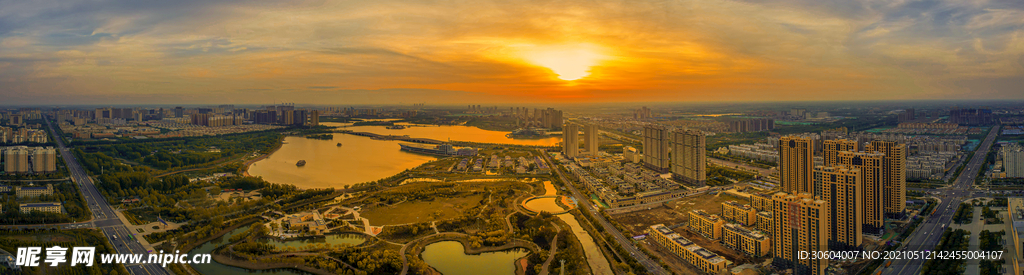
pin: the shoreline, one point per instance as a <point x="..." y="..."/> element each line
<point x="245" y="166"/>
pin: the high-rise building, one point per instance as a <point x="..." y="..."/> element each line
<point x="971" y="116"/>
<point x="17" y="119"/>
<point x="841" y="187"/>
<point x="656" y="143"/>
<point x="590" y="139"/>
<point x="688" y="156"/>
<point x="832" y="147"/>
<point x="642" y="113"/>
<point x="16" y="159"/>
<point x="870" y="165"/>
<point x="44" y="160"/>
<point x="571" y="140"/>
<point x="179" y="112"/>
<point x="894" y="181"/>
<point x="201" y="119"/>
<point x="796" y="160"/>
<point x="314" y="118"/>
<point x="1013" y="160"/>
<point x="906" y="115"/>
<point x="800" y="225"/>
<point x="288" y="117"/>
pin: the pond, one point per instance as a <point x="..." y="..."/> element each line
<point x="449" y="258"/>
<point x="215" y="268"/>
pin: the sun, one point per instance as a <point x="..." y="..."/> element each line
<point x="568" y="62"/>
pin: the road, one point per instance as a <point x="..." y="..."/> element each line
<point x="626" y="242"/>
<point x="927" y="235"/>
<point x="104" y="218"/>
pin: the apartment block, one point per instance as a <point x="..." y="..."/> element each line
<point x="800" y="224"/>
<point x="706" y="261"/>
<point x="739" y="213"/>
<point x="656" y="146"/>
<point x="752" y="243"/>
<point x="707" y="225"/>
<point x="841" y="187"/>
<point x="796" y="160"/>
<point x="689" y="156"/>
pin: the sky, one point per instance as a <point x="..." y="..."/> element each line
<point x="480" y="51"/>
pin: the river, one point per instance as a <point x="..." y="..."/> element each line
<point x="449" y="258"/>
<point x="595" y="259"/>
<point x="361" y="159"/>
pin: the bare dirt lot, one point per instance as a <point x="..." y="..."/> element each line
<point x="674" y="213"/>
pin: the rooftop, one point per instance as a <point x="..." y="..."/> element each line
<point x="40" y="204"/>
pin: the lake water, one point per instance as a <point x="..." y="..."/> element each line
<point x="455" y="133"/>
<point x="215" y="268"/>
<point x="361" y="159"/>
<point x="449" y="258"/>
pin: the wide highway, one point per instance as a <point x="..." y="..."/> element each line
<point x="927" y="235"/>
<point x="104" y="217"/>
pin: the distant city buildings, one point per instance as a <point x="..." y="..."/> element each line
<point x="751" y="125"/>
<point x="22" y="135"/>
<point x="970" y="116"/>
<point x="642" y="114"/>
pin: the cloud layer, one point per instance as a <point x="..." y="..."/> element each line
<point x="351" y="52"/>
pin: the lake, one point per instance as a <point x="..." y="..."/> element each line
<point x="361" y="159"/>
<point x="449" y="258"/>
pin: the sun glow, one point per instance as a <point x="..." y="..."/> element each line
<point x="568" y="62"/>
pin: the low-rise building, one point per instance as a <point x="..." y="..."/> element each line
<point x="761" y="202"/>
<point x="51" y="207"/>
<point x="741" y="213"/>
<point x="707" y="225"/>
<point x="705" y="260"/>
<point x="764" y="222"/>
<point x="752" y="243"/>
<point x="309" y="221"/>
<point x="33" y="191"/>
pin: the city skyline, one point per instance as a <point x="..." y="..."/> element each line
<point x="116" y="52"/>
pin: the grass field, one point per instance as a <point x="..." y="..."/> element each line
<point x="421" y="211"/>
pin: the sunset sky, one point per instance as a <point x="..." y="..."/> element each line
<point x="356" y="52"/>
